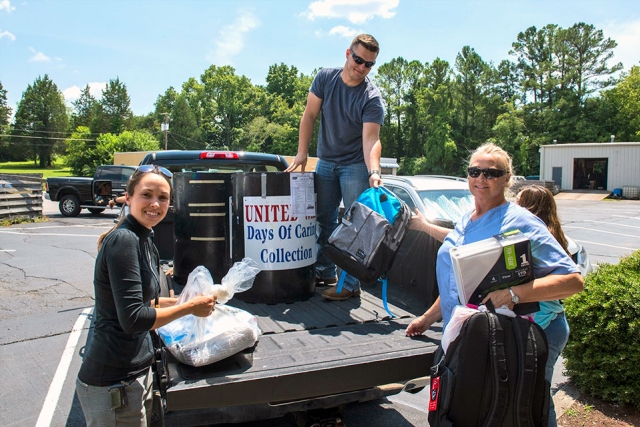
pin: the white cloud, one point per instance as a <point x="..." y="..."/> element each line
<point x="343" y="31"/>
<point x="71" y="93"/>
<point x="6" y="5"/>
<point x="355" y="11"/>
<point x="232" y="37"/>
<point x="7" y="34"/>
<point x="38" y="56"/>
<point x="95" y="89"/>
<point x="627" y="35"/>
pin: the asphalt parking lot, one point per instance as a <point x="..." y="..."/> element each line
<point x="46" y="272"/>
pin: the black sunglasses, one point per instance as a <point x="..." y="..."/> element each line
<point x="150" y="168"/>
<point x="488" y="173"/>
<point x="361" y="61"/>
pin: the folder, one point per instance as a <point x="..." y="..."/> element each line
<point x="498" y="262"/>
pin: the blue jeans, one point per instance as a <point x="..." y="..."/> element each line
<point x="557" y="336"/>
<point x="335" y="182"/>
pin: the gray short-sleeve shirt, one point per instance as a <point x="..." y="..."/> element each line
<point x="344" y="110"/>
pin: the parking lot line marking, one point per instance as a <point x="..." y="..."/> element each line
<point x="623" y="216"/>
<point x="617" y="224"/>
<point x="50" y="234"/>
<point x="7" y="250"/>
<point x="598" y="231"/>
<point x="51" y="401"/>
<point x="602" y="244"/>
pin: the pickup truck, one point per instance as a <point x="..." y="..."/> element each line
<point x="77" y="193"/>
<point x="314" y="356"/>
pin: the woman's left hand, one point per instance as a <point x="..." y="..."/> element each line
<point x="500" y="298"/>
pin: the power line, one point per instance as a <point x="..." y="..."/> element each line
<point x="48" y="137"/>
<point x="45" y="131"/>
<point x="185" y="137"/>
<point x="177" y="142"/>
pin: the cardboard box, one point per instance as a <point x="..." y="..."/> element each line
<point x="495" y="263"/>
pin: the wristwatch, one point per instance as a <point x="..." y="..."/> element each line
<point x="374" y="171"/>
<point x="514" y="298"/>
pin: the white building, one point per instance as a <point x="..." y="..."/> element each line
<point x="596" y="166"/>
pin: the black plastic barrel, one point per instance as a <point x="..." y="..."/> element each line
<point x="201" y="224"/>
<point x="163" y="236"/>
<point x="221" y="218"/>
<point x="265" y="230"/>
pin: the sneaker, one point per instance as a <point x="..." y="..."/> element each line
<point x="326" y="282"/>
<point x="333" y="295"/>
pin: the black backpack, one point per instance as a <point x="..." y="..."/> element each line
<point x="492" y="375"/>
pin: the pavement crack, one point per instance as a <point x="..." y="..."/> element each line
<point x="56" y="334"/>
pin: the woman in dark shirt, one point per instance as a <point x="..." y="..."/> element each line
<point x="114" y="384"/>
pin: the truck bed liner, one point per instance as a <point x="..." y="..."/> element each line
<point x="311" y="348"/>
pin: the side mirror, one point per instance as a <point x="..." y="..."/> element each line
<point x="101" y="189"/>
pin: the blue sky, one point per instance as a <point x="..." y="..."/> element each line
<point x="152" y="45"/>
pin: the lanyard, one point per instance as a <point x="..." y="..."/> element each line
<point x="153" y="272"/>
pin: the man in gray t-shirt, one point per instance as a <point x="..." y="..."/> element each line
<point x="348" y="146"/>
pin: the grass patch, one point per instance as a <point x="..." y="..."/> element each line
<point x="572" y="412"/>
<point x="57" y="169"/>
<point x="6" y="222"/>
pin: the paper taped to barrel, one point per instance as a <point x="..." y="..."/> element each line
<point x="488" y="265"/>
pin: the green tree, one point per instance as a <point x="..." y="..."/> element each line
<point x="469" y="126"/>
<point x="508" y="86"/>
<point x="509" y="134"/>
<point x="80" y="147"/>
<point x="228" y="104"/>
<point x="42" y="116"/>
<point x="84" y="109"/>
<point x="84" y="158"/>
<point x="623" y="103"/>
<point x="193" y="93"/>
<point x="286" y="82"/>
<point x="114" y="109"/>
<point x="435" y="112"/>
<point x="147" y="123"/>
<point x="588" y="52"/>
<point x="5" y="110"/>
<point x="5" y="115"/>
<point x="395" y="80"/>
<point x="534" y="51"/>
<point x="165" y="102"/>
<point x="561" y="69"/>
<point x="184" y="132"/>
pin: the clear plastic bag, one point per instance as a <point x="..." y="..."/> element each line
<point x="199" y="341"/>
<point x="460" y="314"/>
<point x="239" y="278"/>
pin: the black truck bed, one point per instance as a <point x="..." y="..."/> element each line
<point x="311" y="353"/>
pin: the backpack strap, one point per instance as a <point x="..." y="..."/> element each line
<point x="340" y="284"/>
<point x="527" y="354"/>
<point x="500" y="375"/>
<point x="384" y="281"/>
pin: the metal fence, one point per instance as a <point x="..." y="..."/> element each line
<point x="20" y="196"/>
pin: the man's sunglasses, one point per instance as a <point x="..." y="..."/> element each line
<point x="361" y="61"/>
<point x="488" y="173"/>
<point x="150" y="168"/>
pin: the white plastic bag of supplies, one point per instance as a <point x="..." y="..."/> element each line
<point x="199" y="341"/>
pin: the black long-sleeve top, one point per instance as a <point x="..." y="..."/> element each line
<point x="125" y="284"/>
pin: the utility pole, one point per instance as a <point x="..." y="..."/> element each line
<point x="165" y="127"/>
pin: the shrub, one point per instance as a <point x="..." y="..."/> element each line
<point x="603" y="352"/>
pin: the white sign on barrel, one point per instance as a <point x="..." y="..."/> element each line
<point x="276" y="239"/>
